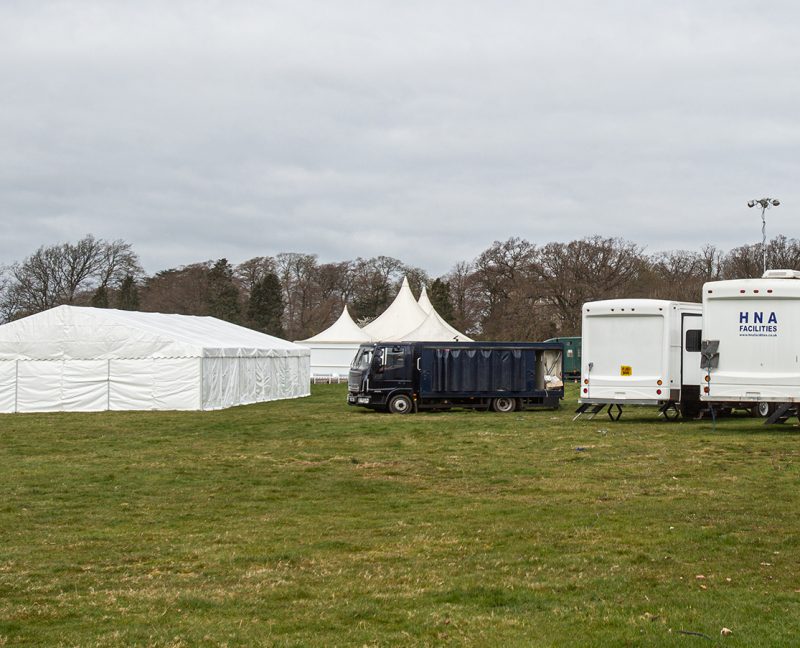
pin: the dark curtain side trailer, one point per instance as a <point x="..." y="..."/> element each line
<point x="410" y="376"/>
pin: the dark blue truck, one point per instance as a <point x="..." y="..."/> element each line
<point x="404" y="377"/>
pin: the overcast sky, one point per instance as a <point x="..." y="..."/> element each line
<point x="419" y="130"/>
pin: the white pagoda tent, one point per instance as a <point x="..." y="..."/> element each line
<point x="433" y="328"/>
<point x="403" y="315"/>
<point x="424" y="301"/>
<point x="333" y="349"/>
<point x="406" y="319"/>
<point x="71" y="358"/>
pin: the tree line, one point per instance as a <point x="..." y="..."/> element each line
<point x="514" y="289"/>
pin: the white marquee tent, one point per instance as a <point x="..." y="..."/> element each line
<point x="89" y="359"/>
<point x="333" y="349"/>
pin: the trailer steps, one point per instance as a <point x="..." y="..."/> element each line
<point x="596" y="408"/>
<point x="782" y="414"/>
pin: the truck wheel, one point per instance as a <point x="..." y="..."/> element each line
<point x="400" y="404"/>
<point x="504" y="405"/>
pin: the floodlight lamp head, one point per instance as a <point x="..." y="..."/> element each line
<point x="776" y="202"/>
<point x="751" y="203"/>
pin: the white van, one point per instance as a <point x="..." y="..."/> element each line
<point x="641" y="352"/>
<point x="751" y="331"/>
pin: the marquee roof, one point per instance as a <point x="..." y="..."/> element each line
<point x="74" y="332"/>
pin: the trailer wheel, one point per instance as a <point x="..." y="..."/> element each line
<point x="504" y="405"/>
<point x="400" y="404"/>
<point x="765" y="410"/>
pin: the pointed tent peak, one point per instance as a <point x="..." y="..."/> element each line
<point x="343" y="329"/>
<point x="424" y="301"/>
<point x="434" y="329"/>
<point x="403" y="314"/>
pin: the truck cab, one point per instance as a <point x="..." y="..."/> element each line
<point x="378" y="373"/>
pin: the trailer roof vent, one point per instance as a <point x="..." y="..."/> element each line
<point x="781" y="274"/>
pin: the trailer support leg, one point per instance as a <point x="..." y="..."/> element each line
<point x="781" y="414"/>
<point x="611" y="413"/>
<point x="670" y="411"/>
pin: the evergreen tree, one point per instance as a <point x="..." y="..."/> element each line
<point x="128" y="296"/>
<point x="439" y="294"/>
<point x="223" y="295"/>
<point x="100" y="298"/>
<point x="265" y="308"/>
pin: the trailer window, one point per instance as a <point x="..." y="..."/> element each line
<point x="693" y="339"/>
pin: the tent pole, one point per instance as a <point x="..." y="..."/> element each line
<point x="16" y="386"/>
<point x="108" y="387"/>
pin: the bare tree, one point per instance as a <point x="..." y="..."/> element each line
<point x="297" y="276"/>
<point x="375" y="283"/>
<point x="466" y="298"/>
<point x="252" y="271"/>
<point x="748" y="260"/>
<point x="181" y="290"/>
<point x="678" y="274"/>
<point x="585" y="270"/>
<point x="67" y="273"/>
<point x="505" y="276"/>
<point x="4" y="287"/>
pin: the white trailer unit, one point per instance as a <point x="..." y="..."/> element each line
<point x="751" y="342"/>
<point x="641" y="352"/>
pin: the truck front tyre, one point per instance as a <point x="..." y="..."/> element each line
<point x="504" y="405"/>
<point x="401" y="404"/>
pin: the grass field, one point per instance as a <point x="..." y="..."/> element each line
<point x="308" y="523"/>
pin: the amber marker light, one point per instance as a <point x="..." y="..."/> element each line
<point x="658" y="382"/>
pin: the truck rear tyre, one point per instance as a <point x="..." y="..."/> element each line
<point x="504" y="405"/>
<point x="400" y="404"/>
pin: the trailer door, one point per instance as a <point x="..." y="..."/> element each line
<point x="691" y="371"/>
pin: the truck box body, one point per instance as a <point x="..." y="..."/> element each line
<point x="756" y="323"/>
<point x="466" y="374"/>
<point x="635" y="352"/>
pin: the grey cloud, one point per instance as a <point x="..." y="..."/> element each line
<point x="418" y="130"/>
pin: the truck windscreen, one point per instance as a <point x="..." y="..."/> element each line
<point x="362" y="359"/>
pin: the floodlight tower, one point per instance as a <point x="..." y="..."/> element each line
<point x="765" y="204"/>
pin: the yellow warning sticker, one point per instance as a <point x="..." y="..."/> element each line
<point x="625" y="370"/>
